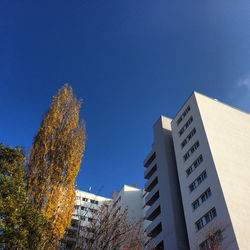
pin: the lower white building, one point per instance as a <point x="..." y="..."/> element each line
<point x="86" y="204"/>
<point x="132" y="198"/>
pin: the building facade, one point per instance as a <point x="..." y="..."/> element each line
<point x="211" y="143"/>
<point x="130" y="198"/>
<point x="163" y="198"/>
<point x="86" y="205"/>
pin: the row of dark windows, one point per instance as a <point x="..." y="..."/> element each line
<point x="194" y="165"/>
<point x="205" y="219"/>
<point x="83" y="218"/>
<point x="83" y="208"/>
<point x="191" y="150"/>
<point x="87" y="200"/>
<point x="188" y="138"/>
<point x="187" y="124"/>
<point x="183" y="115"/>
<point x="203" y="197"/>
<point x="198" y="181"/>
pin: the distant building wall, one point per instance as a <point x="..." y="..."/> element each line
<point x="85" y="205"/>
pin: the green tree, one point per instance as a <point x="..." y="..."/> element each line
<point x="54" y="162"/>
<point x="21" y="224"/>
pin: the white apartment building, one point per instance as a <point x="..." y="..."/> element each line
<point x="163" y="198"/>
<point x="212" y="153"/>
<point x="132" y="198"/>
<point x="86" y="204"/>
<point x="212" y="148"/>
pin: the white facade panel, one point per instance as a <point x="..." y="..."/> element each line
<point x="223" y="135"/>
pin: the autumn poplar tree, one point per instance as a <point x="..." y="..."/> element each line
<point x="54" y="162"/>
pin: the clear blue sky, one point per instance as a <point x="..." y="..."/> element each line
<point x="130" y="61"/>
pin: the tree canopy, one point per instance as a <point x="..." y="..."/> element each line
<point x="54" y="162"/>
<point x="21" y="224"/>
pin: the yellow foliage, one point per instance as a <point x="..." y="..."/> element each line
<point x="54" y="163"/>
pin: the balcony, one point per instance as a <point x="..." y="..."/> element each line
<point x="160" y="246"/>
<point x="156" y="231"/>
<point x="149" y="159"/>
<point x="153" y="199"/>
<point x="153" y="225"/>
<point x="150" y="195"/>
<point x="151" y="184"/>
<point x="151" y="209"/>
<point x="151" y="214"/>
<point x="150" y="171"/>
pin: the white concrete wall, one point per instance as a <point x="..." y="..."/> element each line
<point x="88" y="204"/>
<point x="228" y="133"/>
<point x="223" y="134"/>
<point x="132" y="199"/>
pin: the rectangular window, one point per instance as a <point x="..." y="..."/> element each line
<point x="183" y="115"/>
<point x="186" y="126"/>
<point x="78" y="198"/>
<point x="196" y="204"/>
<point x="213" y="213"/>
<point x="188" y="171"/>
<point x="205" y="219"/>
<point x="191" y="150"/>
<point x="203" y="197"/>
<point x="202" y="177"/>
<point x="198" y="181"/>
<point x="92" y="210"/>
<point x="179" y="120"/>
<point x="188" y="138"/>
<point x="194" y="165"/>
<point x="199" y="224"/>
<point x="84" y="199"/>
